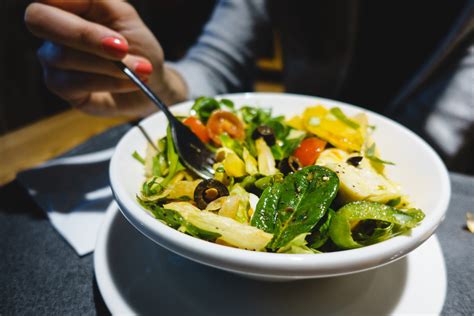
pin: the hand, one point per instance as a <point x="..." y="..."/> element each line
<point x="83" y="37"/>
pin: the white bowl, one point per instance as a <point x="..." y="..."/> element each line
<point x="419" y="171"/>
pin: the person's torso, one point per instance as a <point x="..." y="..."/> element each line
<point x="358" y="51"/>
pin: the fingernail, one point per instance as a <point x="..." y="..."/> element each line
<point x="115" y="46"/>
<point x="143" y="68"/>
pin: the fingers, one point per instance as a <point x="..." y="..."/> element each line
<point x="75" y="86"/>
<point x="70" y="30"/>
<point x="79" y="7"/>
<point x="105" y="104"/>
<point x="97" y="11"/>
<point x="57" y="56"/>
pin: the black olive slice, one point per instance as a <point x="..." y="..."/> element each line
<point x="265" y="132"/>
<point x="355" y="161"/>
<point x="289" y="165"/>
<point x="208" y="191"/>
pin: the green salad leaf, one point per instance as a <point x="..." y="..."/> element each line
<point x="173" y="159"/>
<point x="232" y="144"/>
<point x="255" y="116"/>
<point x="175" y="220"/>
<point x="296" y="205"/>
<point x="298" y="246"/>
<point x="204" y="106"/>
<point x="320" y="233"/>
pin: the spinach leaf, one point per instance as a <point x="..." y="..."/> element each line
<point x="295" y="206"/>
<point x="320" y="233"/>
<point x="265" y="213"/>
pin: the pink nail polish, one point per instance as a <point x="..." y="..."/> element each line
<point x="115" y="46"/>
<point x="143" y="68"/>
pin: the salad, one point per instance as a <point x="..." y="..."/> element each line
<point x="311" y="183"/>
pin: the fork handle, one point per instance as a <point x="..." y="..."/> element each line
<point x="153" y="97"/>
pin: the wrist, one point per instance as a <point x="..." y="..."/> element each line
<point x="173" y="88"/>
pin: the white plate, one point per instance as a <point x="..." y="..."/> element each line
<point x="136" y="276"/>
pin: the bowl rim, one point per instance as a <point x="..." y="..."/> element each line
<point x="234" y="259"/>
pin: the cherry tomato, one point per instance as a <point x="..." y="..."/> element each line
<point x="221" y="122"/>
<point x="198" y="128"/>
<point x="308" y="151"/>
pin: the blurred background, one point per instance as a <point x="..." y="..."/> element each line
<point x="35" y="125"/>
<point x="23" y="96"/>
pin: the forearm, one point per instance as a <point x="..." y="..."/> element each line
<point x="222" y="60"/>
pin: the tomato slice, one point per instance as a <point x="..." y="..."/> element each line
<point x="198" y="128"/>
<point x="308" y="151"/>
<point x="221" y="122"/>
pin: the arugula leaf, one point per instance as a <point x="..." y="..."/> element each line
<point x="280" y="129"/>
<point x="204" y="106"/>
<point x="370" y="154"/>
<point x="139" y="158"/>
<point x="228" y="103"/>
<point x="198" y="232"/>
<point x="147" y="187"/>
<point x="232" y="144"/>
<point x="175" y="220"/>
<point x="173" y="159"/>
<point x="287" y="148"/>
<point x="337" y="112"/>
<point x="256" y="116"/>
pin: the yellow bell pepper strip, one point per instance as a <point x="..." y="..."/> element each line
<point x="328" y="125"/>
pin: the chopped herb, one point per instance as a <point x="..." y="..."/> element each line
<point x="337" y="112"/>
<point x="394" y="202"/>
<point x="370" y="154"/>
<point x="138" y="157"/>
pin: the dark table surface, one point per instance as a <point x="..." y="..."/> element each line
<point x="41" y="274"/>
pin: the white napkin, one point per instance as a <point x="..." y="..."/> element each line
<point x="75" y="192"/>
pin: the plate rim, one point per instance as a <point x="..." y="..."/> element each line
<point x="117" y="304"/>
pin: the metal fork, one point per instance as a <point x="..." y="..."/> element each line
<point x="193" y="153"/>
